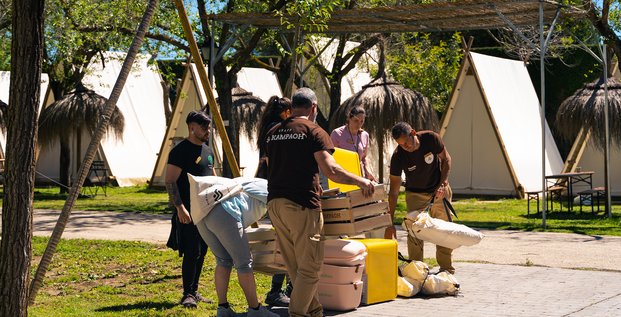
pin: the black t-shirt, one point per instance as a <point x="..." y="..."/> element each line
<point x="293" y="171"/>
<point x="421" y="167"/>
<point x="190" y="158"/>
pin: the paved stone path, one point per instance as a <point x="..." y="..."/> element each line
<point x="494" y="281"/>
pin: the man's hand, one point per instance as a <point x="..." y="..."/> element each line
<point x="367" y="186"/>
<point x="184" y="215"/>
<point x="390" y="233"/>
<point x="440" y="191"/>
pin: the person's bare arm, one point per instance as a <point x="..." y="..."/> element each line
<point x="172" y="174"/>
<point x="445" y="169"/>
<point x="393" y="195"/>
<point x="336" y="173"/>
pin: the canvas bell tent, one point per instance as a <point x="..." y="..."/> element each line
<point x="45" y="98"/>
<point x="191" y="96"/>
<point x="492" y="130"/>
<point x="130" y="160"/>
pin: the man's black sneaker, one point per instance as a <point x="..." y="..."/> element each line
<point x="278" y="299"/>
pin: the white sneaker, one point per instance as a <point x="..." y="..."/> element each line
<point x="261" y="312"/>
<point x="225" y="312"/>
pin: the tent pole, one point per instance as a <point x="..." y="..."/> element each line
<point x="542" y="53"/>
<point x="211" y="100"/>
<point x="606" y="134"/>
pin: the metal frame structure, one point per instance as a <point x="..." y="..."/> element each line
<point x="442" y="16"/>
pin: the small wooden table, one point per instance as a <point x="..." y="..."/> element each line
<point x="568" y="181"/>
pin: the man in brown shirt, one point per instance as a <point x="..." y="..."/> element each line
<point x="426" y="163"/>
<point x="297" y="149"/>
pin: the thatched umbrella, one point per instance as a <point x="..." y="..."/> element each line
<point x="68" y="117"/>
<point x="585" y="108"/>
<point x="247" y="110"/>
<point x="3" y="113"/>
<point x="386" y="102"/>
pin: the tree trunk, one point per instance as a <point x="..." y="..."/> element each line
<point x="91" y="151"/>
<point x="16" y="245"/>
<point x="65" y="164"/>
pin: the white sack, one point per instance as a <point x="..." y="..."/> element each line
<point x="437" y="231"/>
<point x="443" y="283"/>
<point x="207" y="191"/>
<point x="405" y="288"/>
<point x="414" y="274"/>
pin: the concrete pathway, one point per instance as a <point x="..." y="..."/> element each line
<point x="495" y="278"/>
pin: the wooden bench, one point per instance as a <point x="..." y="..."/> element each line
<point x="533" y="195"/>
<point x="597" y="193"/>
<point x="556" y="192"/>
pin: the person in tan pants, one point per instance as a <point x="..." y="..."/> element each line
<point x="426" y="163"/>
<point x="297" y="149"/>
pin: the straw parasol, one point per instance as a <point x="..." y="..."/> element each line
<point x="387" y="102"/>
<point x="3" y="114"/>
<point x="247" y="109"/>
<point x="68" y="117"/>
<point x="585" y="108"/>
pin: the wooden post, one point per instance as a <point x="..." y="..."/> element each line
<point x="211" y="100"/>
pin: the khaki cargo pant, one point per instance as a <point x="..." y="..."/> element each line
<point x="298" y="231"/>
<point x="419" y="201"/>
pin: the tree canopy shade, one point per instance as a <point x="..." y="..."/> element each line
<point x="436" y="16"/>
<point x="585" y="108"/>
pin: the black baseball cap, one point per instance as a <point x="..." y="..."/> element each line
<point x="199" y="117"/>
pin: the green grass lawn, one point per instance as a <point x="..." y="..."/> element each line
<point x="117" y="278"/>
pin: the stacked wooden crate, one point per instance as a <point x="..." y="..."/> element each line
<point x="263" y="247"/>
<point x="346" y="214"/>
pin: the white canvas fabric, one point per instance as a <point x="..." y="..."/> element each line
<point x="443" y="283"/>
<point x="437" y="231"/>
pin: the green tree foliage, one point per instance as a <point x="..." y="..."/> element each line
<point x="427" y="64"/>
<point x="77" y="30"/>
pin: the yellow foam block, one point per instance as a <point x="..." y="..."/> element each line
<point x="349" y="161"/>
<point x="380" y="272"/>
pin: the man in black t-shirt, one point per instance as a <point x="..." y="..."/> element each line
<point x="297" y="149"/>
<point x="192" y="156"/>
<point x="426" y="163"/>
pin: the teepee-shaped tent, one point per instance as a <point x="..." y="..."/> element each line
<point x="46" y="98"/>
<point x="191" y="96"/>
<point x="492" y="130"/>
<point x="131" y="159"/>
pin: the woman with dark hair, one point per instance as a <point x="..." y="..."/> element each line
<point x="352" y="137"/>
<point x="277" y="110"/>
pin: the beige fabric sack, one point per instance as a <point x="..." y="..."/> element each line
<point x="405" y="288"/>
<point x="443" y="283"/>
<point x="437" y="231"/>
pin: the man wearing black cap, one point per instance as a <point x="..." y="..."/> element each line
<point x="297" y="149"/>
<point x="192" y="156"/>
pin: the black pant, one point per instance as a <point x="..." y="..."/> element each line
<point x="194" y="250"/>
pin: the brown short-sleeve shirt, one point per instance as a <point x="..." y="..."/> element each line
<point x="421" y="167"/>
<point x="293" y="172"/>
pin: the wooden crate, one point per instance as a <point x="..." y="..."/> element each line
<point x="352" y="199"/>
<point x="357" y="226"/>
<point x="260" y="234"/>
<point x="339" y="215"/>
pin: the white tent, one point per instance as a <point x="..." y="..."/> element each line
<point x="585" y="155"/>
<point x="130" y="160"/>
<point x="191" y="96"/>
<point x="492" y="130"/>
<point x="46" y="97"/>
